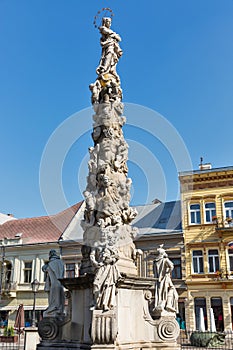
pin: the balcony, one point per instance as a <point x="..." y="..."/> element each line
<point x="9" y="289"/>
<point x="224" y="227"/>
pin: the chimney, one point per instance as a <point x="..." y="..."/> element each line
<point x="156" y="201"/>
<point x="204" y="166"/>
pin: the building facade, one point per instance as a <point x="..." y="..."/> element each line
<point x="25" y="245"/>
<point x="24" y="248"/>
<point x="207" y="212"/>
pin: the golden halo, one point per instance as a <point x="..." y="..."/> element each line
<point x="99" y="12"/>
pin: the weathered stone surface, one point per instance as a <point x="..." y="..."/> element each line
<point x="166" y="297"/>
<point x="107" y="85"/>
<point x="49" y="328"/>
<point x="31" y="338"/>
<point x="128" y="326"/>
<point x="108" y="236"/>
<point x="103" y="327"/>
<point x="54" y="270"/>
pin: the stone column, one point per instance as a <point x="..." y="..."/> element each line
<point x="108" y="215"/>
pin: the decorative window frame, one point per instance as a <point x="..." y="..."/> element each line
<point x="210" y="210"/>
<point x="23" y="260"/>
<point x="194" y="210"/>
<point x="229" y="254"/>
<point x="225" y="209"/>
<point x="198" y="258"/>
<point x="24" y="269"/>
<point x="213" y="256"/>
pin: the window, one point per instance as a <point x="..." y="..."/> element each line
<point x="231" y="303"/>
<point x="230" y="254"/>
<point x="176" y="272"/>
<point x="216" y="304"/>
<point x="210" y="211"/>
<point x="28" y="272"/>
<point x="195" y="214"/>
<point x="198" y="266"/>
<point x="8" y="272"/>
<point x="45" y="273"/>
<point x="200" y="303"/>
<point x="213" y="260"/>
<point x="70" y="270"/>
<point x="28" y="315"/>
<point x="228" y="206"/>
<point x="4" y="316"/>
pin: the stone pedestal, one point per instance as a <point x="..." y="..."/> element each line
<point x="31" y="338"/>
<point x="128" y="326"/>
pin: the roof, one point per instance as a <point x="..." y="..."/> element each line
<point x="39" y="229"/>
<point x="156" y="218"/>
<point x="159" y="218"/>
<point x="74" y="231"/>
<point x="205" y="171"/>
<point x="4" y="218"/>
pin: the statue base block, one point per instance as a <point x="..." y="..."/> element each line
<point x="129" y="325"/>
<point x="128" y="346"/>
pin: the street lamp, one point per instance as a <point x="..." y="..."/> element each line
<point x="35" y="287"/>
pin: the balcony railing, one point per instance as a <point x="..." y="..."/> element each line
<point x="223" y="224"/>
<point x="8" y="287"/>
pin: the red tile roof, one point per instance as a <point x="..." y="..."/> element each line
<point x="39" y="229"/>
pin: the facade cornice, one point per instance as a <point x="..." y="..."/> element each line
<point x="205" y="180"/>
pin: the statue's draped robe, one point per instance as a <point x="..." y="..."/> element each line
<point x="55" y="271"/>
<point x="105" y="282"/>
<point x="165" y="293"/>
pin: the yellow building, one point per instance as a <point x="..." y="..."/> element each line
<point x="207" y="212"/>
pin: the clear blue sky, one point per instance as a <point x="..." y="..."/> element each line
<point x="178" y="61"/>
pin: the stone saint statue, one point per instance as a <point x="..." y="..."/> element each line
<point x="107" y="274"/>
<point x="111" y="50"/>
<point x="107" y="86"/>
<point x="166" y="297"/>
<point x="54" y="270"/>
